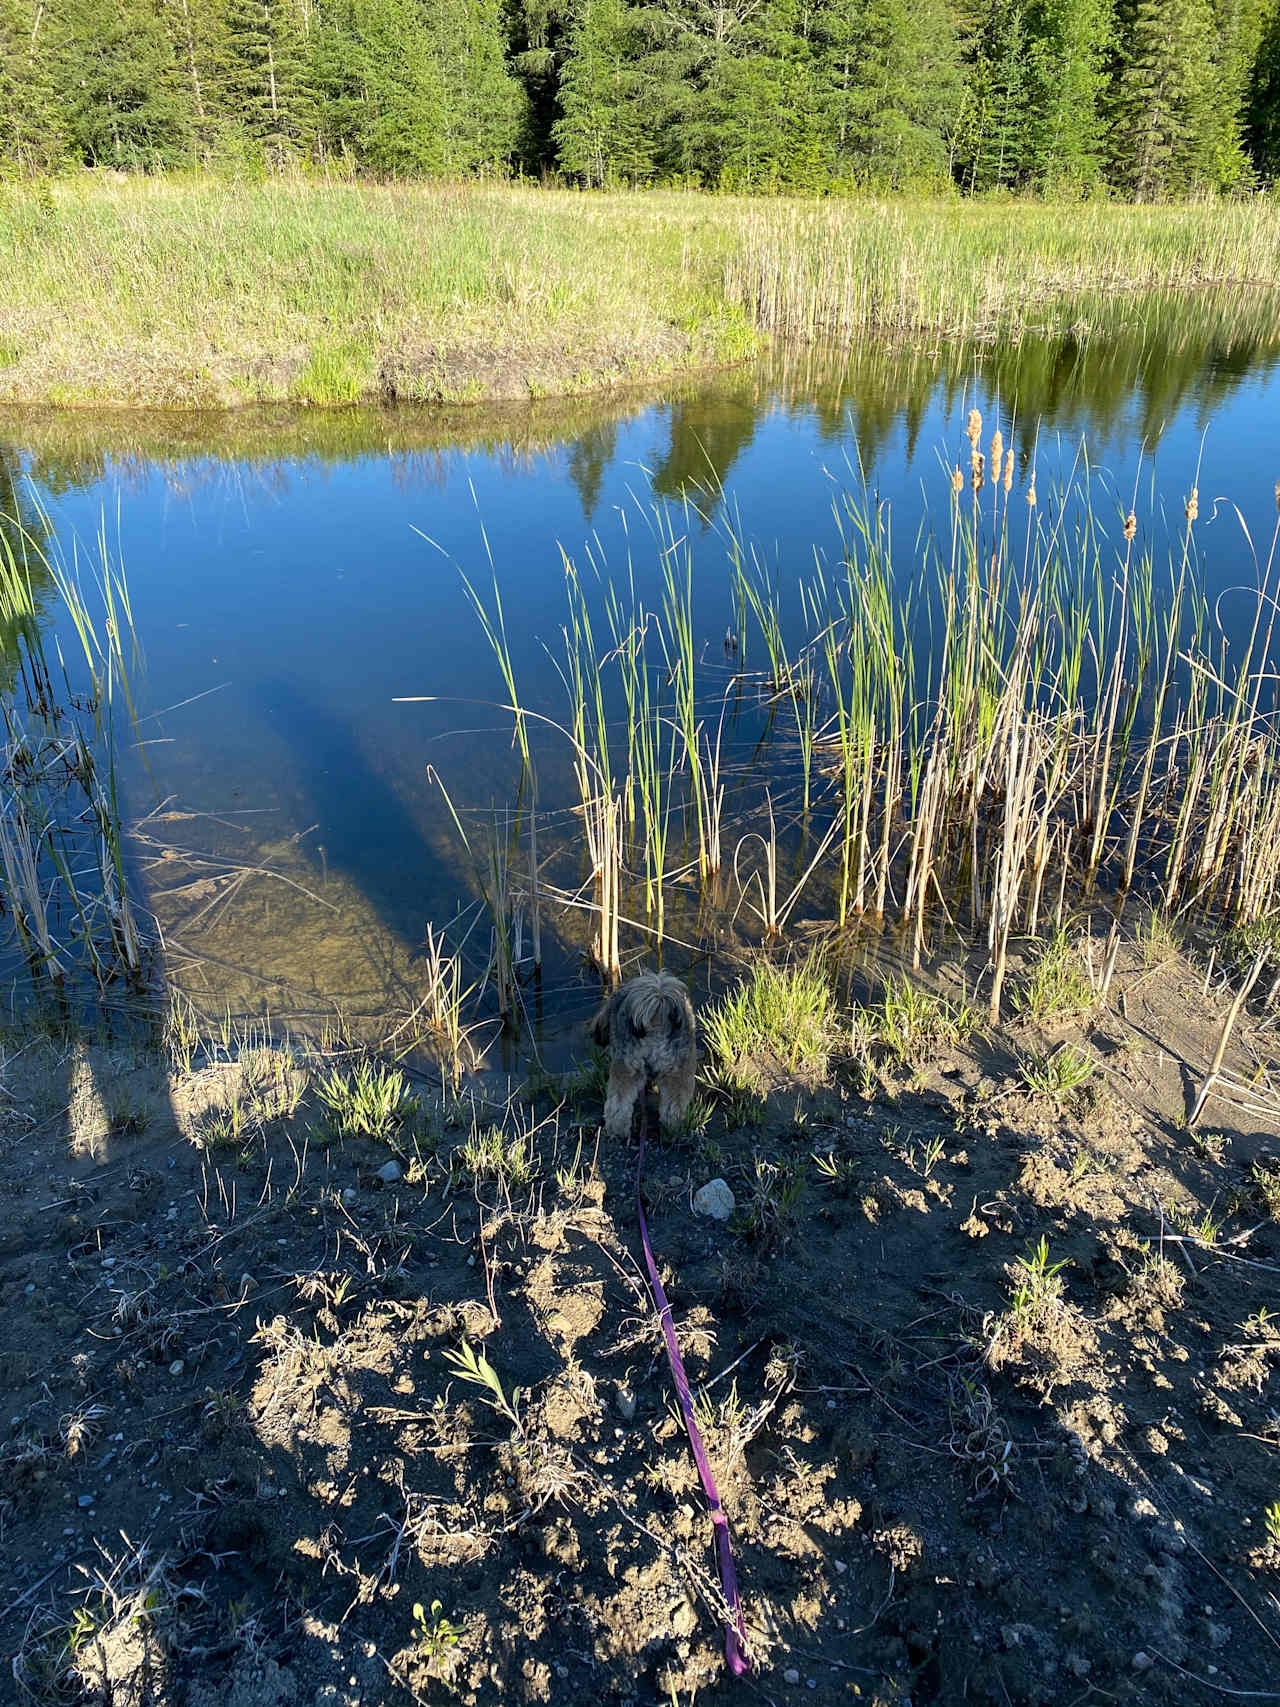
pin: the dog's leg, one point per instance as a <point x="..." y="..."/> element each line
<point x="675" y="1092"/>
<point x="624" y="1087"/>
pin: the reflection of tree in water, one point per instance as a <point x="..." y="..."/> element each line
<point x="1121" y="374"/>
<point x="588" y="461"/>
<point x="707" y="436"/>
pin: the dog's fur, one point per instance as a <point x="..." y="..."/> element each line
<point x="647" y="1027"/>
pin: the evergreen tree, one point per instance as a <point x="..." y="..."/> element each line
<point x="381" y="92"/>
<point x="122" y="99"/>
<point x="1262" y="115"/>
<point x="268" y="84"/>
<point x="889" y="80"/>
<point x="1161" y="116"/>
<point x="485" y="108"/>
<point x="1065" y="137"/>
<point x="604" y="131"/>
<point x="32" y="128"/>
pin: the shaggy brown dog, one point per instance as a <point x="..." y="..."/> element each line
<point x="647" y="1027"/>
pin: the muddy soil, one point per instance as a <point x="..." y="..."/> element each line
<point x="243" y="1465"/>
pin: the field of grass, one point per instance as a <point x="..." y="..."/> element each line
<point x="191" y="293"/>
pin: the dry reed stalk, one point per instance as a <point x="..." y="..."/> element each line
<point x="1228" y="1025"/>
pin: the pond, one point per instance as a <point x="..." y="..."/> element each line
<point x="319" y="697"/>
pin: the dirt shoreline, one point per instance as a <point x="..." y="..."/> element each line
<point x="955" y="1470"/>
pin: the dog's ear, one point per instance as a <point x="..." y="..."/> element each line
<point x="602" y="1024"/>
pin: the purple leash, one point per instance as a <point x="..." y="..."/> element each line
<point x="735" y="1633"/>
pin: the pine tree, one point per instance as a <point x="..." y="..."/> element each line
<point x="121" y="96"/>
<point x="269" y="87"/>
<point x="32" y="130"/>
<point x="1161" y="98"/>
<point x="604" y="132"/>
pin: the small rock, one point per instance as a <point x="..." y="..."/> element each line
<point x="624" y="1402"/>
<point x="85" y="1501"/>
<point x="1219" y="1635"/>
<point x="177" y="1366"/>
<point x="247" y="1283"/>
<point x="390" y="1172"/>
<point x="791" y="1676"/>
<point x="841" y="1567"/>
<point x="716" y="1200"/>
<point x="349" y="1196"/>
<point x="1141" y="1661"/>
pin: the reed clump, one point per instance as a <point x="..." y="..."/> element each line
<point x="64" y="884"/>
<point x="195" y="291"/>
<point x="1035" y="716"/>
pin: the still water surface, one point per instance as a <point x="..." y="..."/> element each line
<point x="291" y="576"/>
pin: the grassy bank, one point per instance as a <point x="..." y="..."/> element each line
<point x="204" y="293"/>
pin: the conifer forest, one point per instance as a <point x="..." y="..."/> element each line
<point x="1143" y="99"/>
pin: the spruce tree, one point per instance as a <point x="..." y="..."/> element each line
<point x="1161" y="99"/>
<point x="32" y="128"/>
<point x="889" y="87"/>
<point x="269" y="76"/>
<point x="604" y="132"/>
<point x="381" y="94"/>
<point x="1262" y="112"/>
<point x="116" y="80"/>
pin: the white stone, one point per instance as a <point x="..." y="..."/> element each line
<point x="714" y="1199"/>
<point x="390" y="1172"/>
<point x="791" y="1676"/>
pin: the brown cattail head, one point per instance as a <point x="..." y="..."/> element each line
<point x="957" y="481"/>
<point x="1031" y="494"/>
<point x="979" y="468"/>
<point x="1130" y="525"/>
<point x="974" y="428"/>
<point x="997" y="455"/>
<point x="1193" y="504"/>
<point x="1008" y="470"/>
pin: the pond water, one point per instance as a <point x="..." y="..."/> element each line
<point x="294" y="578"/>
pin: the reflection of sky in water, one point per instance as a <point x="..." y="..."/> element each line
<point x="304" y="587"/>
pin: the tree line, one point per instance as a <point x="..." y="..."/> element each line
<point x="1145" y="98"/>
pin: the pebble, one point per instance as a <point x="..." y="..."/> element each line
<point x="1141" y="1661"/>
<point x="177" y="1366"/>
<point x="714" y="1199"/>
<point x="624" y="1402"/>
<point x="350" y="1195"/>
<point x="390" y="1172"/>
<point x="85" y="1501"/>
<point x="841" y="1567"/>
<point x="791" y="1676"/>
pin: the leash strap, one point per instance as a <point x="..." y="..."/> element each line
<point x="735" y="1634"/>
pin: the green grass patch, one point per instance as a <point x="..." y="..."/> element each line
<point x="197" y="290"/>
<point x="1056" y="988"/>
<point x="777" y="1023"/>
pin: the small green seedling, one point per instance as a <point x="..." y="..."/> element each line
<point x="434" y="1634"/>
<point x="475" y="1367"/>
